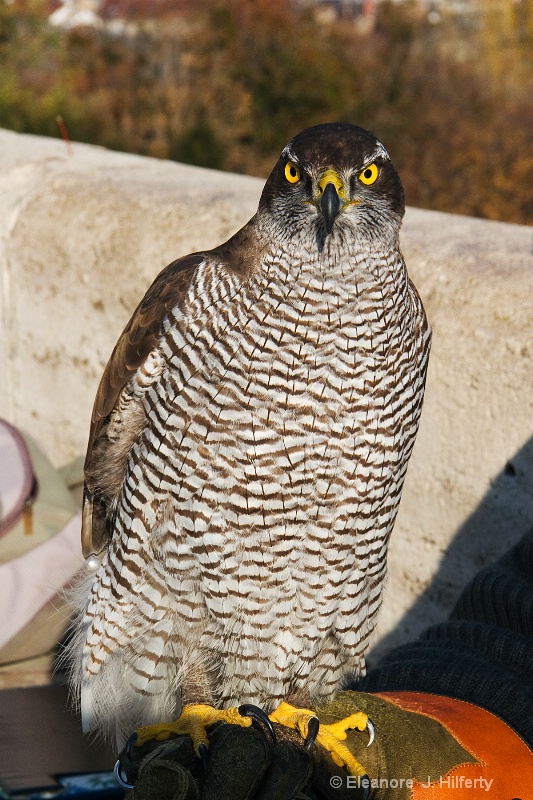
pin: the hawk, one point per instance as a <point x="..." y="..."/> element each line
<point x="249" y="443"/>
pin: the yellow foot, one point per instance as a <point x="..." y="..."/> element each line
<point x="193" y="721"/>
<point x="329" y="736"/>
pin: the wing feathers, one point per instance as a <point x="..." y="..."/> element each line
<point x="140" y="337"/>
<point x="138" y="340"/>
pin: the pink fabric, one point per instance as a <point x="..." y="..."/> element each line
<point x="16" y="475"/>
<point x="27" y="583"/>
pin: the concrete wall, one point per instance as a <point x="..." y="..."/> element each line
<point x="82" y="236"/>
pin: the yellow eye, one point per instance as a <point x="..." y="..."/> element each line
<point x="292" y="172"/>
<point x="369" y="175"/>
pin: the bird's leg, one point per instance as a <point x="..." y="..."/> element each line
<point x="197" y="714"/>
<point x="193" y="721"/>
<point x="331" y="737"/>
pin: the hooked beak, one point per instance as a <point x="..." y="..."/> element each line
<point x="332" y="198"/>
<point x="330" y="205"/>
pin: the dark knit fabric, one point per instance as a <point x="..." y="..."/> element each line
<point x="503" y="593"/>
<point x="483" y="654"/>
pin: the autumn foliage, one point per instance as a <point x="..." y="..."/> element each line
<point x="225" y="83"/>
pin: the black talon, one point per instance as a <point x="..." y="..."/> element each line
<point x="364" y="781"/>
<point x="129" y="744"/>
<point x="312" y="732"/>
<point x="248" y="710"/>
<point x="203" y="753"/>
<point x="371" y="732"/>
<point x="117" y="772"/>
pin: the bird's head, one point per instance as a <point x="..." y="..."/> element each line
<point x="334" y="180"/>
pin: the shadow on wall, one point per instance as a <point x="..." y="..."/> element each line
<point x="503" y="517"/>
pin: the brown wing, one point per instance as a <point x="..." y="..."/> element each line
<point x="140" y="336"/>
<point x="136" y="342"/>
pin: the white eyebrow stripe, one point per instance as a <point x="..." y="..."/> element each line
<point x="288" y="152"/>
<point x="379" y="151"/>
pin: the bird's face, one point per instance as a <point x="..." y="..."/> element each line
<point x="335" y="182"/>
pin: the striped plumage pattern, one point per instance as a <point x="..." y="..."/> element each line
<point x="251" y="466"/>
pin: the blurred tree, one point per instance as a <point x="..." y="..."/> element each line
<point x="507" y="41"/>
<point x="226" y="83"/>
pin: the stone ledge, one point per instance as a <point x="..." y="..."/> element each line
<point x="81" y="238"/>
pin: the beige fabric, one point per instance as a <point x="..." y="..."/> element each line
<point x="52" y="510"/>
<point x="38" y="637"/>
